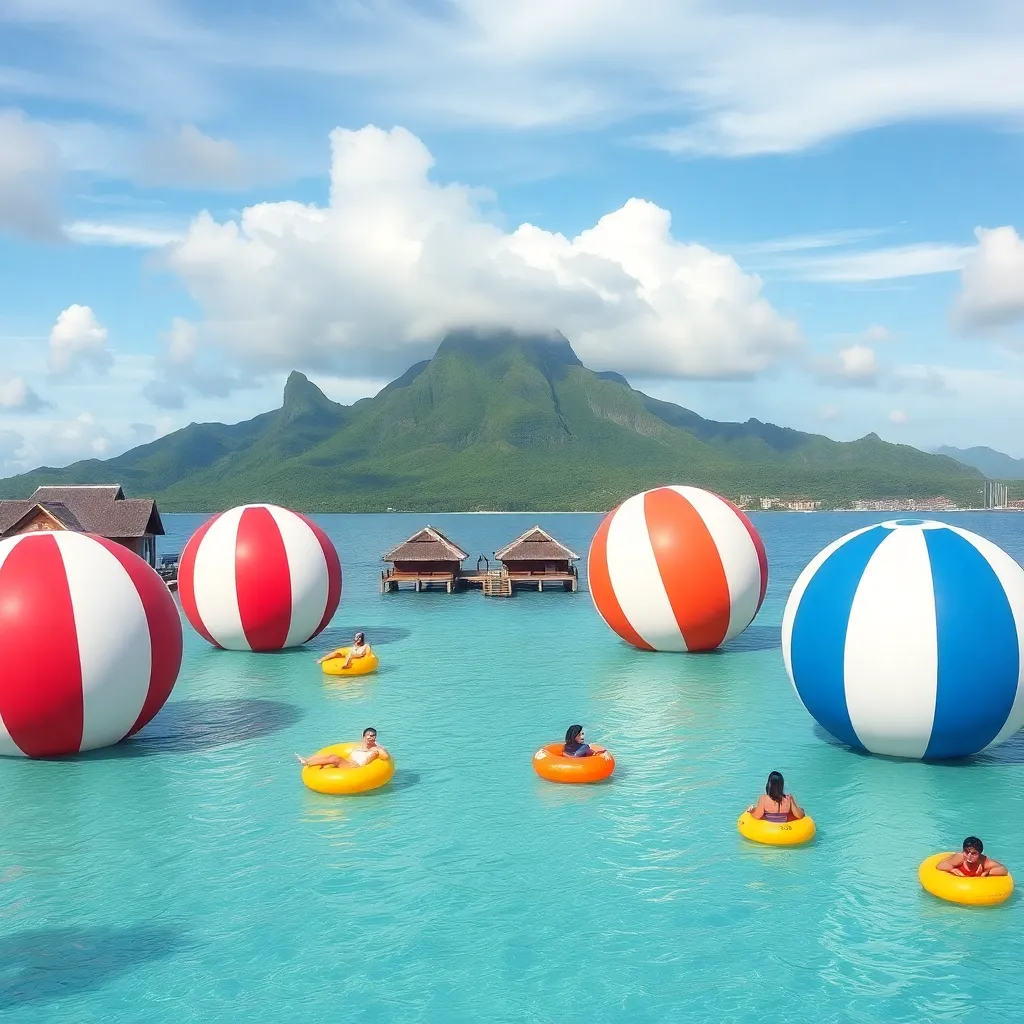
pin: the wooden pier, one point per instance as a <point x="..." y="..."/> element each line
<point x="393" y="579"/>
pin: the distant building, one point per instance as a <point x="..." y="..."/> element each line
<point x="426" y="559"/>
<point x="995" y="494"/>
<point x="790" y="504"/>
<point x="536" y="557"/>
<point x="103" y="510"/>
<point x="937" y="504"/>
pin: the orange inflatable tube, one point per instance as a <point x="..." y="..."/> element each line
<point x="550" y="763"/>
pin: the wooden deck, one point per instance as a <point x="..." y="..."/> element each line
<point x="501" y="583"/>
<point x="394" y="579"/>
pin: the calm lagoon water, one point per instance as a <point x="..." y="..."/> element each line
<point x="188" y="875"/>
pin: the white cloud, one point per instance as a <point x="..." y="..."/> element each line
<point x="882" y="264"/>
<point x="188" y="158"/>
<point x="732" y="77"/>
<point x="876" y="334"/>
<point x="134" y="236"/>
<point x="898" y="416"/>
<point x="183" y="364"/>
<point x="15" y="394"/>
<point x="992" y="282"/>
<point x="830" y="412"/>
<point x="857" y="364"/>
<point x="76" y="338"/>
<point x="372" y="280"/>
<point x="29" y="178"/>
<point x="11" y="443"/>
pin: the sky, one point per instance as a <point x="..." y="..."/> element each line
<point x="810" y="214"/>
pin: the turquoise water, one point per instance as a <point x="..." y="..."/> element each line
<point x="188" y="875"/>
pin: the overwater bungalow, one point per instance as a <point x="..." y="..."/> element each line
<point x="536" y="559"/>
<point x="103" y="510"/>
<point x="427" y="560"/>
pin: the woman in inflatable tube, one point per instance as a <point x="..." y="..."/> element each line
<point x="355" y="660"/>
<point x="776" y="819"/>
<point x="358" y="757"/>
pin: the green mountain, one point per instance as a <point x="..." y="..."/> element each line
<point x="499" y="421"/>
<point x="995" y="465"/>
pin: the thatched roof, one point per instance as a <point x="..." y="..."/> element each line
<point x="101" y="510"/>
<point x="536" y="545"/>
<point x="428" y="545"/>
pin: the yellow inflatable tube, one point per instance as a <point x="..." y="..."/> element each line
<point x="344" y="781"/>
<point x="974" y="892"/>
<point x="359" y="667"/>
<point x="776" y="833"/>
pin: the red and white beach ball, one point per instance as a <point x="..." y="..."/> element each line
<point x="90" y="643"/>
<point x="677" y="569"/>
<point x="259" y="578"/>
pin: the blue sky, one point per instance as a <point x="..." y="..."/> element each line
<point x="801" y="214"/>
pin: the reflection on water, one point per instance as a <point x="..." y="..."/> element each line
<point x="479" y="881"/>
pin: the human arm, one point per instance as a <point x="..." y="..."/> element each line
<point x="795" y="809"/>
<point x="994" y="868"/>
<point x="382" y="753"/>
<point x="757" y="810"/>
<point x="950" y="863"/>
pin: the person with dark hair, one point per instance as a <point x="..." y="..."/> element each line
<point x="357" y="757"/>
<point x="776" y="804"/>
<point x="972" y="863"/>
<point x="359" y="649"/>
<point x="575" y="744"/>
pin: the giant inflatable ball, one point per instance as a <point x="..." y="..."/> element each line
<point x="677" y="569"/>
<point x="259" y="578"/>
<point x="90" y="643"/>
<point x="905" y="639"/>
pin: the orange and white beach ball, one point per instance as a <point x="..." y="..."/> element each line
<point x="677" y="569"/>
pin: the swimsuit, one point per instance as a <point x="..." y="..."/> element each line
<point x="779" y="817"/>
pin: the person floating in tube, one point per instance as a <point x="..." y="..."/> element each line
<point x="359" y="649"/>
<point x="776" y="804"/>
<point x="972" y="863"/>
<point x="357" y="757"/>
<point x="575" y="745"/>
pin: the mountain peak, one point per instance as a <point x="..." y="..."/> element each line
<point x="303" y="400"/>
<point x="549" y="350"/>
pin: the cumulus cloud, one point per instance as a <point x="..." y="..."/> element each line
<point x="187" y="158"/>
<point x="16" y="395"/>
<point x="29" y="178"/>
<point x="992" y="283"/>
<point x="182" y="365"/>
<point x="371" y="281"/>
<point x="856" y="365"/>
<point x="75" y="339"/>
<point x="898" y="416"/>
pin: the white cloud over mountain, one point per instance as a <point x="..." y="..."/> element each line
<point x="374" y="278"/>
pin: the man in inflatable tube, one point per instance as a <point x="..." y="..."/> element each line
<point x="972" y="863"/>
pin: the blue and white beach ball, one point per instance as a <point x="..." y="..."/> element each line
<point x="906" y="639"/>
